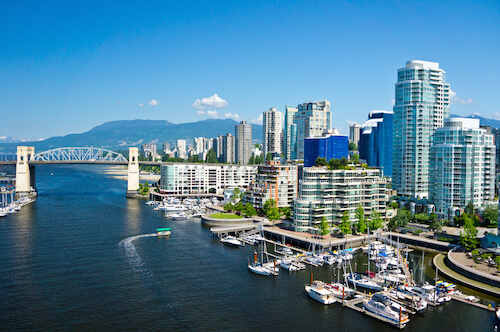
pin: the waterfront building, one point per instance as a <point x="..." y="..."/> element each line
<point x="328" y="193"/>
<point x="311" y="119"/>
<point x="272" y="131"/>
<point x="244" y="144"/>
<point x="148" y="150"/>
<point x="273" y="181"/>
<point x="354" y="133"/>
<point x="199" y="144"/>
<point x="228" y="149"/>
<point x="375" y="143"/>
<point x="330" y="146"/>
<point x="462" y="166"/>
<point x="289" y="133"/>
<point x="181" y="148"/>
<point x="422" y="103"/>
<point x="204" y="178"/>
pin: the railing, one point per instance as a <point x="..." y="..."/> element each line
<point x="473" y="271"/>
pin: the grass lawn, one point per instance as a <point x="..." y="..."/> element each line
<point x="225" y="215"/>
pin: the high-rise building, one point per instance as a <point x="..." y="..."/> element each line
<point x="375" y="143"/>
<point x="218" y="147"/>
<point x="166" y="147"/>
<point x="462" y="167"/>
<point x="228" y="149"/>
<point x="327" y="194"/>
<point x="181" y="148"/>
<point x="422" y="103"/>
<point x="311" y="119"/>
<point x="354" y="133"/>
<point x="148" y="150"/>
<point x="272" y="123"/>
<point x="199" y="144"/>
<point x="244" y="145"/>
<point x="273" y="181"/>
<point x="289" y="133"/>
<point x="328" y="147"/>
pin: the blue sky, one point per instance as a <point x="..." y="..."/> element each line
<point x="68" y="66"/>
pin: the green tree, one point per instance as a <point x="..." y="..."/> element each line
<point x="273" y="213"/>
<point x="435" y="224"/>
<point x="345" y="225"/>
<point x="490" y="214"/>
<point x="468" y="237"/>
<point x="250" y="210"/>
<point x="236" y="194"/>
<point x="355" y="158"/>
<point x="344" y="161"/>
<point x="286" y="212"/>
<point x="269" y="156"/>
<point x="324" y="228"/>
<point x="352" y="147"/>
<point x="469" y="209"/>
<point x="239" y="206"/>
<point x="320" y="162"/>
<point x="252" y="160"/>
<point x="334" y="164"/>
<point x="211" y="157"/>
<point x="228" y="207"/>
<point x="361" y="223"/>
<point x="375" y="221"/>
<point x="268" y="205"/>
<point x="393" y="205"/>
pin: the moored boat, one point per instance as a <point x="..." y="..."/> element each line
<point x="320" y="293"/>
<point x="163" y="232"/>
<point x="232" y="241"/>
<point x="385" y="310"/>
<point x="358" y="281"/>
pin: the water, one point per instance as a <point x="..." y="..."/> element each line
<point x="82" y="258"/>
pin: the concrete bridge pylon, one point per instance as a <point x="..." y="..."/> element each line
<point x="133" y="171"/>
<point x="25" y="175"/>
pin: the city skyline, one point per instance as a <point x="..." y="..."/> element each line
<point x="68" y="69"/>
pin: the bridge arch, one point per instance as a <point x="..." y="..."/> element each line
<point x="79" y="154"/>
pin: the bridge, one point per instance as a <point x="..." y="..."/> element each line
<point x="27" y="159"/>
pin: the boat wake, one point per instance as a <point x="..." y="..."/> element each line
<point x="132" y="255"/>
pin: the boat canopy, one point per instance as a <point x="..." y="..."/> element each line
<point x="162" y="229"/>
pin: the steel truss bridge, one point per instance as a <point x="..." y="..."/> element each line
<point x="86" y="154"/>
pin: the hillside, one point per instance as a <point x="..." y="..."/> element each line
<point x="119" y="135"/>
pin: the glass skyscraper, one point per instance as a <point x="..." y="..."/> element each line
<point x="422" y="103"/>
<point x="375" y="143"/>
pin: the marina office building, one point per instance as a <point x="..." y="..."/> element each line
<point x="462" y="166"/>
<point x="328" y="193"/>
<point x="273" y="181"/>
<point x="204" y="178"/>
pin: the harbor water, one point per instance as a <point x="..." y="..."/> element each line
<point x="84" y="257"/>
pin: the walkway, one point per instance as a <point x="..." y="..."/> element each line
<point x="458" y="278"/>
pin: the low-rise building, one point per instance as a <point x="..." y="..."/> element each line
<point x="328" y="193"/>
<point x="273" y="181"/>
<point x="204" y="178"/>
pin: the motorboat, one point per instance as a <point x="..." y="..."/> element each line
<point x="415" y="302"/>
<point x="258" y="237"/>
<point x="232" y="241"/>
<point x="342" y="291"/>
<point x="163" y="232"/>
<point x="497" y="312"/>
<point x="292" y="265"/>
<point x="330" y="259"/>
<point x="178" y="216"/>
<point x="250" y="240"/>
<point x="426" y="292"/>
<point x="315" y="260"/>
<point x="358" y="281"/>
<point x="285" y="251"/>
<point x="320" y="293"/>
<point x="259" y="269"/>
<point x="386" y="310"/>
<point x="150" y="203"/>
<point x="171" y="207"/>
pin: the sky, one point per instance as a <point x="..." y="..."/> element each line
<point x="67" y="66"/>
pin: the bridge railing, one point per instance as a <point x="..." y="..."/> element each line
<point x="79" y="154"/>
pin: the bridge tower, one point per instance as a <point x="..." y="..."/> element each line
<point x="133" y="171"/>
<point x="25" y="174"/>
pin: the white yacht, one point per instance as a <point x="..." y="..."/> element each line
<point x="321" y="294"/>
<point x="178" y="216"/>
<point x="232" y="241"/>
<point x="358" y="281"/>
<point x="384" y="309"/>
<point x="288" y="264"/>
<point x="342" y="290"/>
<point x="426" y="292"/>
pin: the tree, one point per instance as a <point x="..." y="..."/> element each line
<point x="469" y="209"/>
<point x="344" y="161"/>
<point x="375" y="221"/>
<point x="236" y="194"/>
<point x="434" y="225"/>
<point x="400" y="220"/>
<point x="211" y="157"/>
<point x="269" y="156"/>
<point x="334" y="164"/>
<point x="252" y="160"/>
<point x="286" y="212"/>
<point x="345" y="225"/>
<point x="228" y="207"/>
<point x="490" y="214"/>
<point x="468" y="237"/>
<point x="393" y="205"/>
<point x="355" y="158"/>
<point x="352" y="147"/>
<point x="250" y="210"/>
<point x="320" y="162"/>
<point x="273" y="213"/>
<point x="268" y="205"/>
<point x="239" y="207"/>
<point x="361" y="223"/>
<point x="324" y="228"/>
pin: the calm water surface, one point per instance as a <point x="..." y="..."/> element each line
<point x="80" y="258"/>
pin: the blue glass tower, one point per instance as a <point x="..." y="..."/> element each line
<point x="330" y="147"/>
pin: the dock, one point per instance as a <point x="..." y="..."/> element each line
<point x="475" y="303"/>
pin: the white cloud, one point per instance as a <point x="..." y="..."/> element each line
<point x="478" y="114"/>
<point x="141" y="105"/>
<point x="258" y="120"/>
<point x="153" y="103"/>
<point x="210" y="102"/>
<point x="230" y="115"/>
<point x="213" y="114"/>
<point x="457" y="100"/>
<point x="200" y="112"/>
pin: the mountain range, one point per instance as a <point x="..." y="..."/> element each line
<point x="120" y="135"/>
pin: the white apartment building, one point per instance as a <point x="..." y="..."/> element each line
<point x="289" y="133"/>
<point x="181" y="148"/>
<point x="204" y="178"/>
<point x="421" y="105"/>
<point x="243" y="139"/>
<point x="199" y="144"/>
<point x="273" y="181"/>
<point x="462" y="166"/>
<point x="328" y="193"/>
<point x="272" y="122"/>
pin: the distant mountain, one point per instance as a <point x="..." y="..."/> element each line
<point x="482" y="120"/>
<point x="119" y="135"/>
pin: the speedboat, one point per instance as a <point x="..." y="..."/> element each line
<point x="250" y="240"/>
<point x="426" y="292"/>
<point x="259" y="269"/>
<point x="285" y="251"/>
<point x="415" y="302"/>
<point x="178" y="216"/>
<point x="384" y="309"/>
<point x="321" y="294"/>
<point x="342" y="291"/>
<point x="288" y="264"/>
<point x="231" y="241"/>
<point x="358" y="280"/>
<point x="258" y="237"/>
